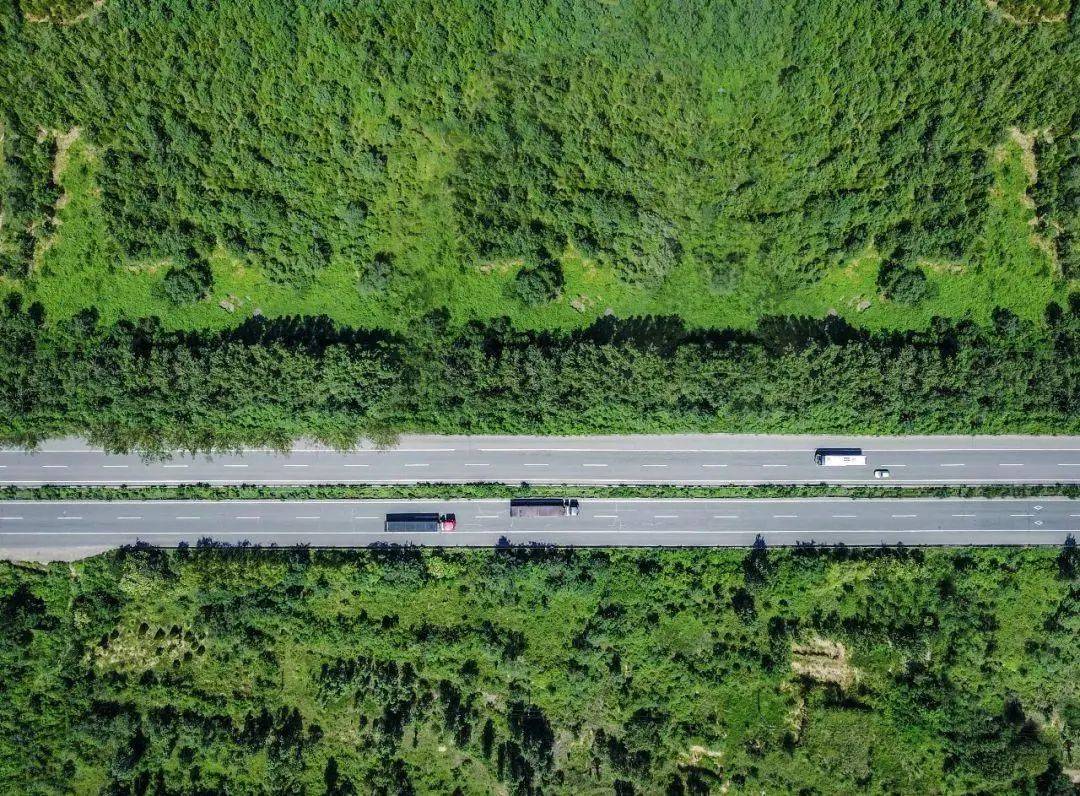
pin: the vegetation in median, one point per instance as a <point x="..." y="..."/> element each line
<point x="490" y="490"/>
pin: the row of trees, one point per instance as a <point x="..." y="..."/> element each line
<point x="270" y="381"/>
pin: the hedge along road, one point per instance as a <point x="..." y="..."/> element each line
<point x="608" y="460"/>
<point x="51" y="530"/>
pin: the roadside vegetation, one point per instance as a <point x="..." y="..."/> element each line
<point x="533" y="670"/>
<point x="268" y="382"/>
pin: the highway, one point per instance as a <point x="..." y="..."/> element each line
<point x="671" y="459"/>
<point x="56" y="530"/>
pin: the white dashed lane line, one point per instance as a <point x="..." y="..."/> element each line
<point x="10" y="518"/>
<point x="304" y="465"/>
<point x="654" y="465"/>
<point x="844" y="516"/>
<point x="666" y="517"/>
<point x="174" y="466"/>
<point x="594" y="465"/>
<point x="129" y="518"/>
<point x="417" y="464"/>
<point x="187" y="518"/>
<point x="774" y="465"/>
<point x="54" y="466"/>
<point x="534" y="464"/>
<point x="477" y="464"/>
<point x="904" y="516"/>
<point x="714" y="465"/>
<point x="725" y="516"/>
<point x="307" y="518"/>
<point x="952" y="464"/>
<point x="247" y="517"/>
<point x="487" y="516"/>
<point x="1021" y="515"/>
<point x="785" y="516"/>
<point x="356" y="465"/>
<point x="606" y="516"/>
<point x="1010" y="464"/>
<point x="69" y="518"/>
<point x="963" y="515"/>
<point x="115" y="466"/>
<point x="235" y="465"/>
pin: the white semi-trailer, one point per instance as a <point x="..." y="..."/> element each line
<point x="839" y="457"/>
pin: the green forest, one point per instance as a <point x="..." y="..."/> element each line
<point x="534" y="670"/>
<point x="243" y="222"/>
<point x="550" y="162"/>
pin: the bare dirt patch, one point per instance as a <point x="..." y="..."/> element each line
<point x="57" y="19"/>
<point x="696" y="754"/>
<point x="145" y="648"/>
<point x="823" y="661"/>
<point x="1030" y="14"/>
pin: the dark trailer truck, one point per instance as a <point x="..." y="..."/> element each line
<point x="421" y="522"/>
<point x="543" y="507"/>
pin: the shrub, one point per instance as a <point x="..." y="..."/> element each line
<point x="375" y="276"/>
<point x="539" y="284"/>
<point x="186" y="284"/>
<point x="903" y="283"/>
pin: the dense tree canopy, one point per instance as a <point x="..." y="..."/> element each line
<point x="542" y="671"/>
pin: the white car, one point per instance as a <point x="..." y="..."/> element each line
<point x="881" y="472"/>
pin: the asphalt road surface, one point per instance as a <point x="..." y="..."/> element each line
<point x="54" y="530"/>
<point x="675" y="459"/>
